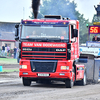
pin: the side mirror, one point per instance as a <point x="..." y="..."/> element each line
<point x="75" y="33"/>
<point x="16" y="32"/>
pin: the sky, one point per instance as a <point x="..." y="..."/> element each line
<point x="15" y="10"/>
<point x="86" y="7"/>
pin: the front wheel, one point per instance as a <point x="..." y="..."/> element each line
<point x="69" y="83"/>
<point x="84" y="80"/>
<point x="26" y="82"/>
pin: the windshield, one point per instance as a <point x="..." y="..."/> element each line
<point x="48" y="32"/>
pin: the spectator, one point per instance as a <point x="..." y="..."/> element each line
<point x="15" y="51"/>
<point x="8" y="49"/>
<point x="96" y="38"/>
<point x="3" y="50"/>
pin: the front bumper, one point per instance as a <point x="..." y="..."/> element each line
<point x="55" y="72"/>
<point x="56" y="75"/>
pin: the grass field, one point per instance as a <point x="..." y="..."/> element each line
<point x="8" y="61"/>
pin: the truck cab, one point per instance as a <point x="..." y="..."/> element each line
<point x="49" y="49"/>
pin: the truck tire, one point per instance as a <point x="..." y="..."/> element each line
<point x="84" y="80"/>
<point x="70" y="83"/>
<point x="26" y="82"/>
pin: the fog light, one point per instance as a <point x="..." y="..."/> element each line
<point x="23" y="66"/>
<point x="64" y="67"/>
<point x="25" y="73"/>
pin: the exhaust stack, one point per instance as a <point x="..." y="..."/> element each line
<point x="35" y="7"/>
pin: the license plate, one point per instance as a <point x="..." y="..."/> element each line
<point x="43" y="75"/>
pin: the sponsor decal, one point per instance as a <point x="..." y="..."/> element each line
<point x="90" y="50"/>
<point x="36" y="44"/>
<point x="93" y="44"/>
<point x="28" y="44"/>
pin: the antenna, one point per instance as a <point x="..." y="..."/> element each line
<point x="23" y="12"/>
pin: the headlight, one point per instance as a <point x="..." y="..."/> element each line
<point x="64" y="67"/>
<point x="80" y="68"/>
<point x="23" y="66"/>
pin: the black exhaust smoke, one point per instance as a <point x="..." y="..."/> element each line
<point x="35" y="7"/>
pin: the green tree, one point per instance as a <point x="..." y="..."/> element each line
<point x="57" y="7"/>
<point x="83" y="28"/>
<point x="65" y="8"/>
<point x="96" y="18"/>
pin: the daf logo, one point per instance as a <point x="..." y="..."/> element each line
<point x="61" y="50"/>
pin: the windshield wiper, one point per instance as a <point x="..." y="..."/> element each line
<point x="45" y="40"/>
<point x="59" y="40"/>
<point x="28" y="39"/>
<point x="36" y="39"/>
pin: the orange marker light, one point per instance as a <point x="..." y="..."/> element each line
<point x="62" y="37"/>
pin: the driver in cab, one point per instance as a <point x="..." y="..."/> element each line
<point x="63" y="34"/>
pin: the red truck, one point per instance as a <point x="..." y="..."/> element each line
<point x="49" y="50"/>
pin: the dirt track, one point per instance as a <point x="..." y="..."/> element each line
<point x="10" y="65"/>
<point x="11" y="88"/>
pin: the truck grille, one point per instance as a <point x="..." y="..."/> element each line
<point x="43" y="66"/>
<point x="43" y="53"/>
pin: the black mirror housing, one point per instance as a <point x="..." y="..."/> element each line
<point x="16" y="32"/>
<point x="75" y="33"/>
<point x="17" y="26"/>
